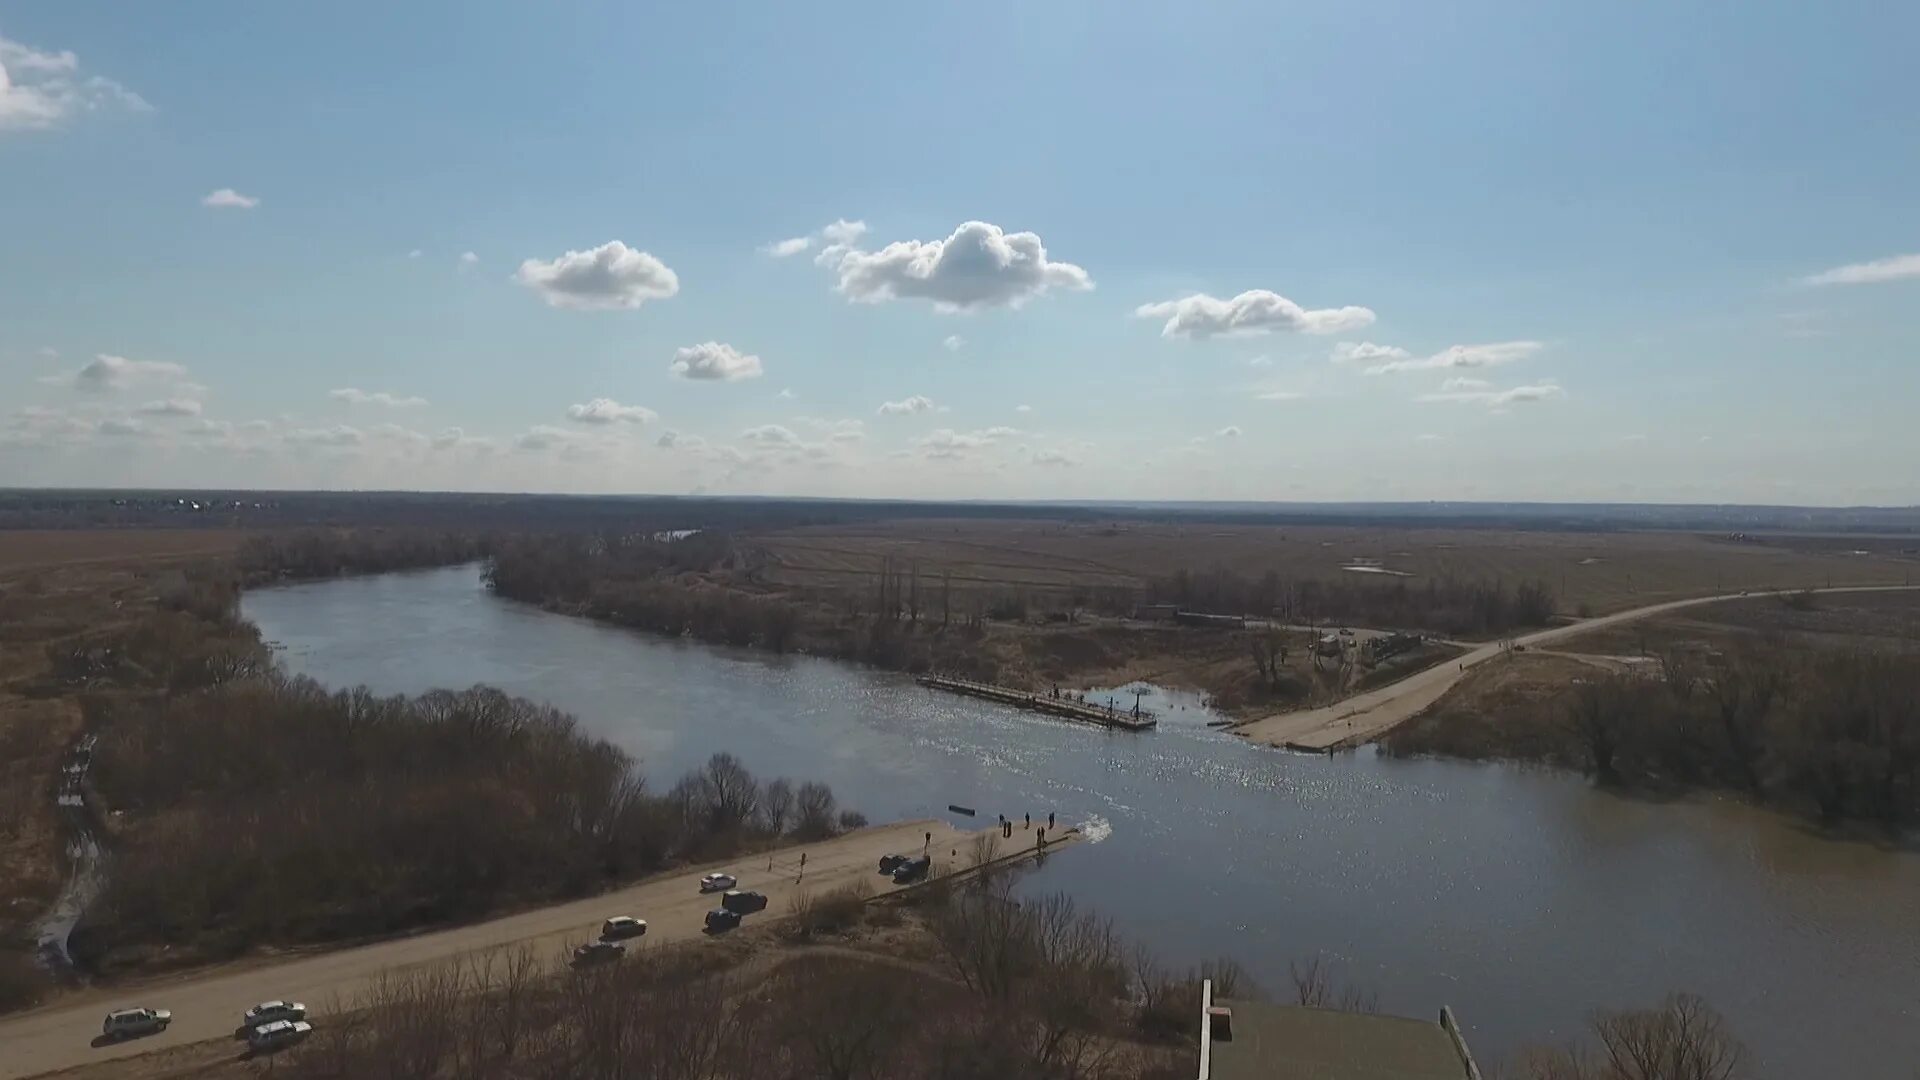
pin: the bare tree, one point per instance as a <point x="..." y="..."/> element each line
<point x="776" y="805"/>
<point x="1315" y="986"/>
<point x="731" y="793"/>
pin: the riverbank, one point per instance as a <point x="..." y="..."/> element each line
<point x="204" y="1003"/>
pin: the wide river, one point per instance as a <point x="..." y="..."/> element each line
<point x="1522" y="898"/>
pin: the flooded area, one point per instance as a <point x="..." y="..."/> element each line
<point x="1521" y="898"/>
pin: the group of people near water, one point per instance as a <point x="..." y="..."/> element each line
<point x="1026" y="822"/>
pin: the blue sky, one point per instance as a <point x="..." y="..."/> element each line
<point x="1086" y="250"/>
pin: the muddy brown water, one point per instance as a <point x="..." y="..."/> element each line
<point x="1522" y="898"/>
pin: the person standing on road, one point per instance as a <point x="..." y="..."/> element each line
<point x="1026" y="821"/>
<point x="1049" y="820"/>
<point x="928" y="844"/>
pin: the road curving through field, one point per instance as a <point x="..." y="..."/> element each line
<point x="1365" y="717"/>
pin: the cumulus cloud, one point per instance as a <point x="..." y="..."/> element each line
<point x="608" y="411"/>
<point x="1456" y="357"/>
<point x="918" y="403"/>
<point x="1262" y="361"/>
<point x="120" y="426"/>
<point x="468" y="258"/>
<point x="946" y="443"/>
<point x="1050" y="457"/>
<point x="844" y="431"/>
<point x="355" y="396"/>
<point x="456" y="438"/>
<point x="1023" y="408"/>
<point x="1256" y="311"/>
<point x="108" y="372"/>
<point x="771" y="435"/>
<point x="713" y="360"/>
<point x="1893" y="268"/>
<point x="1228" y="432"/>
<point x="978" y="266"/>
<point x="1366" y="352"/>
<point x="415" y="253"/>
<point x="41" y="90"/>
<point x="781" y="249"/>
<point x="228" y="199"/>
<point x="954" y="342"/>
<point x="170" y="407"/>
<point x="1462" y="382"/>
<point x="337" y="435"/>
<point x="543" y="437"/>
<point x="1279" y="395"/>
<point x="611" y="277"/>
<point x="1497" y="399"/>
<point x="786" y="394"/>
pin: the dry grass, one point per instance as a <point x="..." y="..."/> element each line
<point x="25" y="549"/>
<point x="1600" y="571"/>
<point x="1881" y="622"/>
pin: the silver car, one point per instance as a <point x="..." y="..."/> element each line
<point x="269" y="1011"/>
<point x="127" y="1023"/>
<point x="278" y="1034"/>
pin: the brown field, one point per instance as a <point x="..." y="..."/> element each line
<point x="1601" y="572"/>
<point x="1881" y="622"/>
<point x="29" y="549"/>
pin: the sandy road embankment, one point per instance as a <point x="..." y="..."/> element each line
<point x="207" y="1004"/>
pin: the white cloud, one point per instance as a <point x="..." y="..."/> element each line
<point x="771" y="435"/>
<point x="398" y="434"/>
<point x="1893" y="268"/>
<point x="1228" y="432"/>
<point x="946" y="443"/>
<point x="786" y="394"/>
<point x="1462" y="382"/>
<point x="1431" y="438"/>
<point x="1256" y="311"/>
<point x="781" y="249"/>
<point x="954" y="342"/>
<point x="107" y="372"/>
<point x="1280" y="395"/>
<point x="918" y="403"/>
<point x="468" y="258"/>
<point x="170" y="407"/>
<point x="228" y="199"/>
<point x="1023" y="408"/>
<point x="49" y="352"/>
<point x="1046" y="456"/>
<point x="415" y="253"/>
<point x="455" y="438"/>
<point x="1498" y="399"/>
<point x="1261" y="361"/>
<point x="610" y="277"/>
<point x="667" y="439"/>
<point x="356" y="396"/>
<point x="607" y="411"/>
<point x="844" y="233"/>
<point x="1463" y="356"/>
<point x="120" y="426"/>
<point x="979" y="266"/>
<point x="543" y="437"/>
<point x="836" y="430"/>
<point x="337" y="435"/>
<point x="713" y="360"/>
<point x="41" y="90"/>
<point x="1349" y="352"/>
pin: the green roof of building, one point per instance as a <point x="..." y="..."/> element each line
<point x="1291" y="1042"/>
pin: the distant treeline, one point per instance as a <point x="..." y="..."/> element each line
<point x="1444" y="606"/>
<point x="1835" y="733"/>
<point x="324" y="553"/>
<point x="272" y="810"/>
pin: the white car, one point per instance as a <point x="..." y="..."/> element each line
<point x="622" y="926"/>
<point x="127" y="1023"/>
<point x="717" y="882"/>
<point x="278" y="1034"/>
<point x="269" y="1011"/>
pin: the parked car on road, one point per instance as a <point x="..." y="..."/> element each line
<point x="744" y="902"/>
<point x="622" y="926"/>
<point x="597" y="952"/>
<point x="717" y="882"/>
<point x="278" y="1034"/>
<point x="269" y="1011"/>
<point x="912" y="870"/>
<point x="890" y="863"/>
<point x="721" y="919"/>
<point x="128" y="1023"/>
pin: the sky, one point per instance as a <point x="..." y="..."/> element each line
<point x="1039" y="249"/>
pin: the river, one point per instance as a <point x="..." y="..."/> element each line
<point x="1522" y="898"/>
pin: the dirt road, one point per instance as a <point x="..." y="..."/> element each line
<point x="1367" y="716"/>
<point x="208" y="1004"/>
